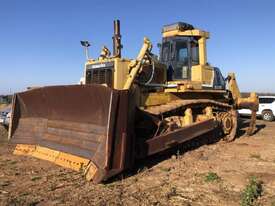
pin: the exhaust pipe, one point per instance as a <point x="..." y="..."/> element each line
<point x="117" y="46"/>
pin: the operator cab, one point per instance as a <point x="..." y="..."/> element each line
<point x="183" y="51"/>
<point x="179" y="54"/>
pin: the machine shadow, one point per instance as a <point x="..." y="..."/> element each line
<point x="243" y="124"/>
<point x="209" y="138"/>
<point x="148" y="162"/>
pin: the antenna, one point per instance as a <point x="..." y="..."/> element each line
<point x="86" y="46"/>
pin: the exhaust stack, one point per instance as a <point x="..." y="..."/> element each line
<point x="117" y="46"/>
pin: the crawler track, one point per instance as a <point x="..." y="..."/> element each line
<point x="177" y="104"/>
<point x="224" y="116"/>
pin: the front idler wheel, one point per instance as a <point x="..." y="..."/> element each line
<point x="229" y="124"/>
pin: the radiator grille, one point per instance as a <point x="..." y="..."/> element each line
<point x="100" y="74"/>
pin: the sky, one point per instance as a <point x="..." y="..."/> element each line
<point x="40" y="39"/>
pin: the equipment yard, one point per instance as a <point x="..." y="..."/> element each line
<point x="137" y="103"/>
<point x="210" y="174"/>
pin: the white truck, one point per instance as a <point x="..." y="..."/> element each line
<point x="5" y="116"/>
<point x="266" y="108"/>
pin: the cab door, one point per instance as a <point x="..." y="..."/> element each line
<point x="175" y="53"/>
<point x="182" y="60"/>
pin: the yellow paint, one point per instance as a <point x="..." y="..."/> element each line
<point x="22" y="149"/>
<point x="188" y="117"/>
<point x="202" y="51"/>
<point x="120" y="72"/>
<point x="136" y="65"/>
<point x="91" y="171"/>
<point x="203" y="74"/>
<point x="153" y="99"/>
<point x="251" y="102"/>
<point x="193" y="32"/>
<point x="209" y="112"/>
<point x="233" y="86"/>
<point x="57" y="157"/>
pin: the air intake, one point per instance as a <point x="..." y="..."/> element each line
<point x="180" y="26"/>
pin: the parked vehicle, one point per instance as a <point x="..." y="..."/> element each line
<point x="266" y="108"/>
<point x="5" y="116"/>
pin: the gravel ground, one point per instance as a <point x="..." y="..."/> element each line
<point x="170" y="179"/>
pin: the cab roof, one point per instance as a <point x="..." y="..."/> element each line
<point x="180" y="26"/>
<point x="182" y="29"/>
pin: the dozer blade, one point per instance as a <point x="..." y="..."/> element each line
<point x="83" y="127"/>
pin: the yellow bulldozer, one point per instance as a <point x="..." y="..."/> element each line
<point x="127" y="109"/>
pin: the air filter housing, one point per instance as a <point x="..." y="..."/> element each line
<point x="180" y="26"/>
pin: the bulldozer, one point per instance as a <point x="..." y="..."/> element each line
<point x="128" y="109"/>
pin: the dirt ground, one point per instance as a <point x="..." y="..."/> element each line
<point x="177" y="178"/>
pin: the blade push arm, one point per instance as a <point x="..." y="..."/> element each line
<point x="136" y="65"/>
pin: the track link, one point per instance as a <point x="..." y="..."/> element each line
<point x="176" y="104"/>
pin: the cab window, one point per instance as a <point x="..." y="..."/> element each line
<point x="194" y="52"/>
<point x="182" y="52"/>
<point x="165" y="51"/>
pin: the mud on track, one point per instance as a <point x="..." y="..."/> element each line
<point x="171" y="179"/>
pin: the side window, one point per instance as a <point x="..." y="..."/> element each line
<point x="182" y="54"/>
<point x="182" y="51"/>
<point x="262" y="100"/>
<point x="219" y="82"/>
<point x="270" y="100"/>
<point x="266" y="100"/>
<point x="195" y="52"/>
<point x="165" y="51"/>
